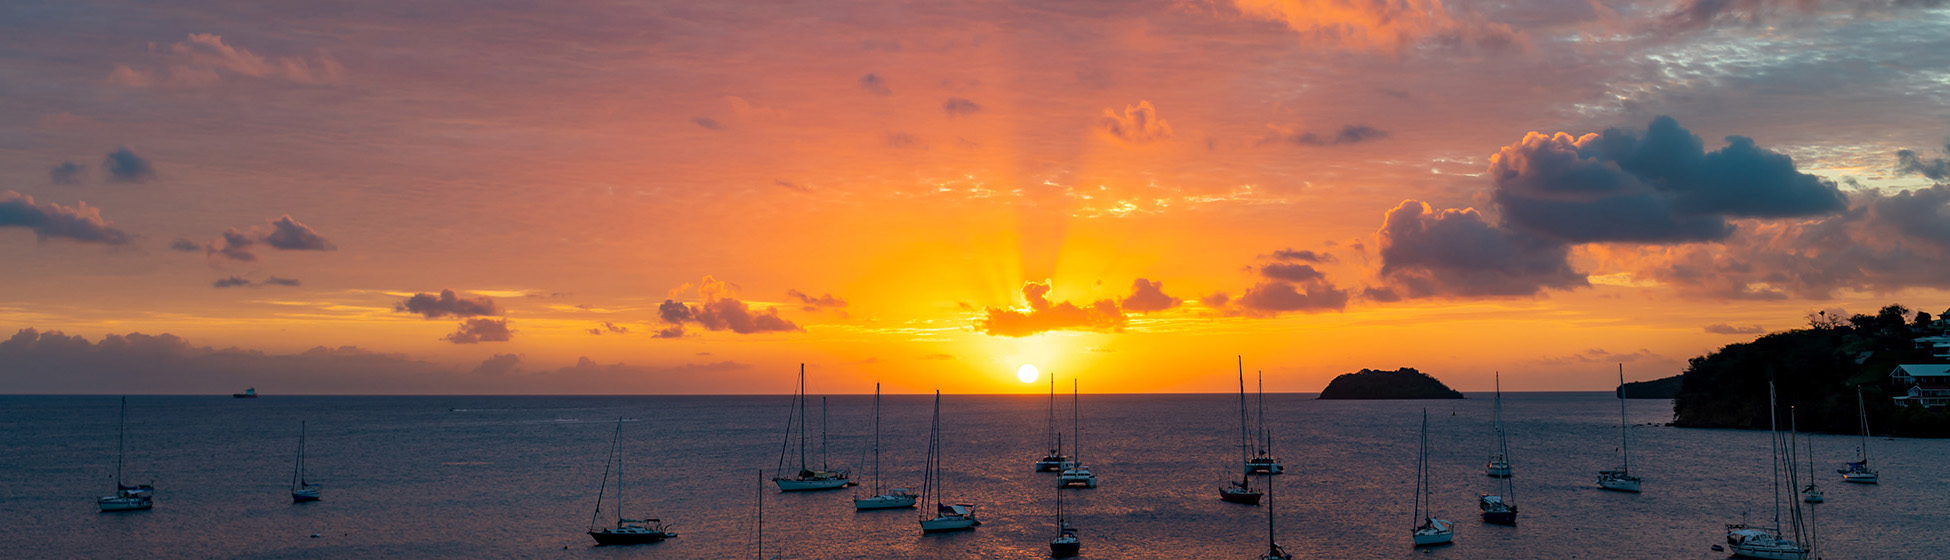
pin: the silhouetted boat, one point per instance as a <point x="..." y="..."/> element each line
<point x="895" y="498"/>
<point x="1273" y="549"/>
<point x="1621" y="479"/>
<point x="1262" y="461"/>
<point x="1811" y="493"/>
<point x="1067" y="543"/>
<point x="627" y="531"/>
<point x="806" y="479"/>
<point x="1859" y="471"/>
<point x="946" y="517"/>
<point x="1429" y="530"/>
<point x="1241" y="492"/>
<point x="1054" y="461"/>
<point x="1500" y="508"/>
<point x="128" y="497"/>
<point x="1770" y="543"/>
<point x="302" y="490"/>
<point x="1075" y="473"/>
<point x="250" y="393"/>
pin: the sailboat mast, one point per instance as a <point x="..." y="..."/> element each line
<point x="298" y="468"/>
<point x="619" y="472"/>
<point x="1050" y="437"/>
<point x="1422" y="467"/>
<point x="1863" y="412"/>
<point x="1773" y="436"/>
<point x="1624" y="442"/>
<point x="608" y="461"/>
<point x="823" y="465"/>
<point x="1794" y="473"/>
<point x="802" y="417"/>
<point x="1266" y="439"/>
<point x="1269" y="517"/>
<point x="1076" y="425"/>
<point x="876" y="439"/>
<point x="1244" y="454"/>
<point x="761" y="514"/>
<point x="121" y="436"/>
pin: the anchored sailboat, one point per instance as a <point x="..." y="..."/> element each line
<point x="1273" y="549"/>
<point x="1067" y="543"/>
<point x="1621" y="479"/>
<point x="1812" y="493"/>
<point x="1770" y="543"/>
<point x="1263" y="461"/>
<point x="627" y="531"/>
<point x="1859" y="470"/>
<point x="1054" y="461"/>
<point x="1428" y="529"/>
<point x="1075" y="473"/>
<point x="128" y="497"/>
<point x="302" y="490"/>
<point x="895" y="498"/>
<point x="946" y="517"/>
<point x="806" y="479"/>
<point x="1241" y="492"/>
<point x="1500" y="508"/>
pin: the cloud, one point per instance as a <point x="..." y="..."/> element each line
<point x="902" y="140"/>
<point x="958" y="107"/>
<point x="448" y="304"/>
<point x="1703" y="14"/>
<point x="1390" y="26"/>
<point x="1043" y="316"/>
<point x="1290" y="272"/>
<point x="1138" y="124"/>
<point x="499" y="364"/>
<point x="794" y="187"/>
<point x="1216" y="300"/>
<point x="719" y="311"/>
<point x="707" y="122"/>
<point x="205" y="59"/>
<point x="874" y="85"/>
<point x="1723" y="328"/>
<point x="1348" y="134"/>
<point x="123" y="166"/>
<point x="230" y="282"/>
<point x="184" y="245"/>
<point x="1659" y="186"/>
<point x="809" y="303"/>
<point x="285" y="233"/>
<point x="1304" y="256"/>
<point x="1602" y="356"/>
<point x="1147" y="296"/>
<point x="473" y="331"/>
<point x="67" y="173"/>
<point x="277" y="281"/>
<point x="1454" y="253"/>
<point x="239" y="281"/>
<point x="1273" y="298"/>
<point x="1909" y="163"/>
<point x="82" y="223"/>
<point x="610" y="328"/>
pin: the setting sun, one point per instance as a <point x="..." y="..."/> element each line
<point x="1027" y="373"/>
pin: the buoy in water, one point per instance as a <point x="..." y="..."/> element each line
<point x="314" y="535"/>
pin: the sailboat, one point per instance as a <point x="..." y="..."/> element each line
<point x="1500" y="508"/>
<point x="1859" y="471"/>
<point x="1621" y="479"/>
<point x="626" y="531"/>
<point x="1263" y="461"/>
<point x="1770" y="543"/>
<point x="1241" y="492"/>
<point x="1054" y="461"/>
<point x="1273" y="549"/>
<point x="1428" y="529"/>
<point x="128" y="497"/>
<point x="1075" y="473"/>
<point x="1066" y="543"/>
<point x="302" y="490"/>
<point x="805" y="479"/>
<point x="946" y="517"/>
<point x="1811" y="494"/>
<point x="895" y="498"/>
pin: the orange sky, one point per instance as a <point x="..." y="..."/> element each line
<point x="679" y="198"/>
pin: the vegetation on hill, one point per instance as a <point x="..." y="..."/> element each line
<point x="1655" y="389"/>
<point x="1816" y="370"/>
<point x="1405" y="383"/>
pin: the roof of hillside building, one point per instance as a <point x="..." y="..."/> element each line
<point x="1922" y="370"/>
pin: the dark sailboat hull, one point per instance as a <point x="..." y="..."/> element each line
<point x="303" y="498"/>
<point x="1064" y="550"/>
<point x="1251" y="499"/>
<point x="1500" y="518"/>
<point x="605" y="538"/>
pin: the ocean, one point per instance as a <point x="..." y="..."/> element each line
<point x="516" y="477"/>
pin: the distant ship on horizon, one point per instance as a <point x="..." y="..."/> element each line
<point x="250" y="393"/>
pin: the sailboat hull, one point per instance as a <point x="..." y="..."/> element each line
<point x="810" y="484"/>
<point x="1264" y="466"/>
<point x="613" y="538"/>
<point x="1432" y="537"/>
<point x="1619" y="483"/>
<point x="1861" y="478"/>
<point x="1248" y="498"/>
<point x="1078" y="478"/>
<point x="948" y="523"/>
<point x="1497" y="469"/>
<point x="125" y="503"/>
<point x="1064" y="547"/>
<point x="884" y="502"/>
<point x="304" y="496"/>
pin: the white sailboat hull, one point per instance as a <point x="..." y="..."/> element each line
<point x="809" y="484"/>
<point x="1262" y="465"/>
<point x="1498" y="469"/>
<point x="886" y="501"/>
<point x="125" y="503"/>
<point x="1813" y="497"/>
<point x="1753" y="543"/>
<point x="1619" y="483"/>
<point x="948" y="523"/>
<point x="1436" y="531"/>
<point x="1861" y="477"/>
<point x="1077" y="477"/>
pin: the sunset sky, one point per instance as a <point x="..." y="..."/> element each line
<point x="695" y="197"/>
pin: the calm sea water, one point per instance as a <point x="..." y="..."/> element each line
<point x="515" y="477"/>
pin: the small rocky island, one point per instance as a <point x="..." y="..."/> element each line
<point x="1404" y="383"/>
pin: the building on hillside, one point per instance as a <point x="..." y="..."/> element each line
<point x="1939" y="346"/>
<point x="1923" y="384"/>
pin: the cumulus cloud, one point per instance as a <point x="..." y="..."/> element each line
<point x="810" y="303"/>
<point x="1291" y="272"/>
<point x="1138" y="124"/>
<point x="609" y="328"/>
<point x="239" y="281"/>
<point x="1272" y="298"/>
<point x="1702" y="14"/>
<point x="82" y="223"/>
<point x="67" y="173"/>
<point x="1042" y="315"/>
<point x="1147" y="296"/>
<point x="1908" y="162"/>
<point x="1302" y="256"/>
<point x="499" y="364"/>
<point x="284" y="233"/>
<point x="958" y="107"/>
<point x="1391" y="26"/>
<point x="875" y="85"/>
<point x="184" y="245"/>
<point x="277" y="281"/>
<point x="720" y="310"/>
<point x="1348" y="134"/>
<point x="1659" y="186"/>
<point x="473" y="331"/>
<point x="123" y="166"/>
<point x="231" y="282"/>
<point x="1455" y="253"/>
<point x="448" y="304"/>
<point x="205" y="59"/>
<point x="1723" y="328"/>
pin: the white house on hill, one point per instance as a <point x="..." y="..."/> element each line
<point x="1927" y="384"/>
